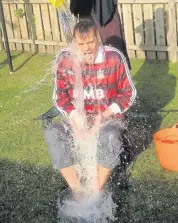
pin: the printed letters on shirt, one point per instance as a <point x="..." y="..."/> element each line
<point x="93" y="94"/>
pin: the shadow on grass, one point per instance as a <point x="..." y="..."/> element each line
<point x="5" y="62"/>
<point x="150" y="201"/>
<point x="155" y="88"/>
<point x="25" y="61"/>
<point x="13" y="57"/>
<point x="28" y="193"/>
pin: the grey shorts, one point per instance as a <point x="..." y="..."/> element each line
<point x="59" y="140"/>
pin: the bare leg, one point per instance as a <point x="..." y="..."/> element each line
<point x="71" y="177"/>
<point x="73" y="180"/>
<point x="101" y="178"/>
<point x="103" y="175"/>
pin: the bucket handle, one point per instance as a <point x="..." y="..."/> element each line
<point x="170" y="139"/>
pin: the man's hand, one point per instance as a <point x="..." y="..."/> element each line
<point x="76" y="121"/>
<point x="107" y="113"/>
<point x="78" y="125"/>
<point x="97" y="125"/>
<point x="99" y="119"/>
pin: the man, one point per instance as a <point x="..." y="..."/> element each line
<point x="106" y="15"/>
<point x="108" y="92"/>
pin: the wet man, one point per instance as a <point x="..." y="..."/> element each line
<point x="108" y="92"/>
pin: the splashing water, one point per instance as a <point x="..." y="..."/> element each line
<point x="98" y="208"/>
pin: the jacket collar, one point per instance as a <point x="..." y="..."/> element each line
<point x="100" y="58"/>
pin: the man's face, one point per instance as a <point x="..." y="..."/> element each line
<point x="88" y="45"/>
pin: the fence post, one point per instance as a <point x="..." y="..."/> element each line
<point x="172" y="29"/>
<point x="30" y="21"/>
<point x="1" y="42"/>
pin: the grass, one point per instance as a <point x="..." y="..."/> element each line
<point x="29" y="187"/>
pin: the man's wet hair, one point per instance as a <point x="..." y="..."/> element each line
<point x="83" y="26"/>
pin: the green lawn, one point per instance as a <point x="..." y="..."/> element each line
<point x="29" y="187"/>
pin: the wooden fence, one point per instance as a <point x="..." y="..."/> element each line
<point x="150" y="27"/>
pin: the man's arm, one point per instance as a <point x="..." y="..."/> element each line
<point x="126" y="92"/>
<point x="63" y="88"/>
<point x="61" y="97"/>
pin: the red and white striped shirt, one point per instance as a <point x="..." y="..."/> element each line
<point x="106" y="83"/>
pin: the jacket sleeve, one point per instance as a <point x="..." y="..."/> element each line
<point x="61" y="97"/>
<point x="126" y="92"/>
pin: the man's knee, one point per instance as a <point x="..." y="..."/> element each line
<point x="57" y="139"/>
<point x="111" y="141"/>
<point x="55" y="132"/>
<point x="109" y="150"/>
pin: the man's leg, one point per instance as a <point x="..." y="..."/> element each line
<point x="103" y="175"/>
<point x="109" y="149"/>
<point x="59" y="142"/>
<point x="101" y="178"/>
<point x="71" y="177"/>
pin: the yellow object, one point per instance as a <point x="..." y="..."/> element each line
<point x="56" y="3"/>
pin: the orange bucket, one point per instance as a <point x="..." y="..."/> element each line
<point x="166" y="146"/>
